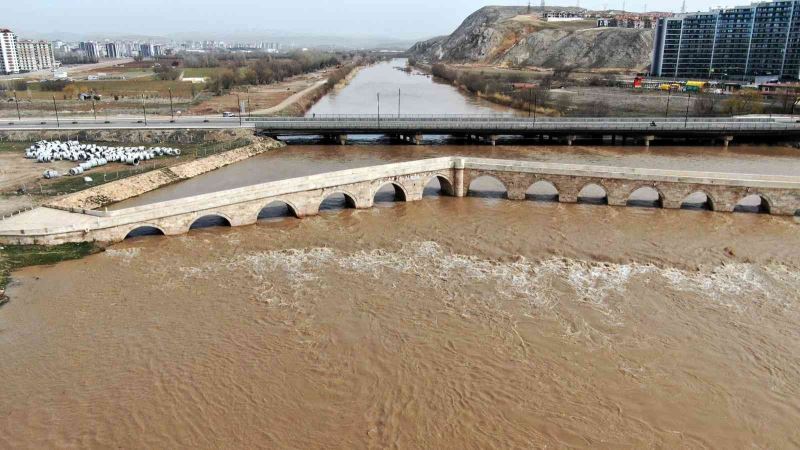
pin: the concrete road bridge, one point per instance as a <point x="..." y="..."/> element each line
<point x="413" y="128"/>
<point x="567" y="130"/>
<point x="779" y="195"/>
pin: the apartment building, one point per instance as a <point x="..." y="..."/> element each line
<point x="739" y="43"/>
<point x="9" y="57"/>
<point x="111" y="50"/>
<point x="35" y="55"/>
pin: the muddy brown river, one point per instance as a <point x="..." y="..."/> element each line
<point x="447" y="323"/>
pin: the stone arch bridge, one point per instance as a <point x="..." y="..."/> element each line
<point x="779" y="195"/>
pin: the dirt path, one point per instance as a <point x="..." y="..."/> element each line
<point x="291" y="100"/>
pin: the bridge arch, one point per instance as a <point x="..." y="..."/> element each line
<point x="754" y="203"/>
<point x="336" y="200"/>
<point x="144" y="230"/>
<point x="210" y="220"/>
<point x="381" y="195"/>
<point x="593" y="193"/>
<point x="488" y="186"/>
<point x="276" y="209"/>
<point x="698" y="200"/>
<point x="648" y="196"/>
<point x="445" y="186"/>
<point x="543" y="190"/>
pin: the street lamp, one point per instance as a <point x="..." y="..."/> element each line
<point x="399" y="94"/>
<point x="171" y="108"/>
<point x="58" y="121"/>
<point x="669" y="96"/>
<point x="16" y="100"/>
<point x="94" y="108"/>
<point x="688" y="102"/>
<point x="379" y="108"/>
<point x="239" y="108"/>
<point x="144" y="110"/>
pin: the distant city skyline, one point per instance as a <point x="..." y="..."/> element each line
<point x="393" y="19"/>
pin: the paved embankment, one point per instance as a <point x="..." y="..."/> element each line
<point x="124" y="189"/>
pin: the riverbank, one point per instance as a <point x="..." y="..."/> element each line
<point x="15" y="257"/>
<point x="303" y="104"/>
<point x="117" y="191"/>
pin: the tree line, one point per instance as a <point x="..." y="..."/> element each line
<point x="268" y="70"/>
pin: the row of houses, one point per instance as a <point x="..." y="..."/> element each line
<point x="24" y="55"/>
<point x="626" y="22"/>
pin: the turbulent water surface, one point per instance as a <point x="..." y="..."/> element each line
<point x="455" y="323"/>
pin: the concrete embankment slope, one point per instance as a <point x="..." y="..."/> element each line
<point x="124" y="189"/>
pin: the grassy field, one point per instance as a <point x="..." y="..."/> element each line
<point x="13" y="257"/>
<point x="110" y="88"/>
<point x="197" y="72"/>
<point x="13" y="146"/>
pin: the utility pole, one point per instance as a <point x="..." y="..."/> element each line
<point x="683" y="7"/>
<point x="58" y="121"/>
<point x="399" y="96"/>
<point x="144" y="110"/>
<point x="529" y="7"/>
<point x="94" y="108"/>
<point x="171" y="109"/>
<point x="16" y="100"/>
<point x="379" y="108"/>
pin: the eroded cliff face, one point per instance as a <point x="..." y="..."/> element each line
<point x="507" y="35"/>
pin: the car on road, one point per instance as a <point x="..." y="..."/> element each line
<point x="228" y="114"/>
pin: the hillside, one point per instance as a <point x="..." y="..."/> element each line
<point x="507" y="35"/>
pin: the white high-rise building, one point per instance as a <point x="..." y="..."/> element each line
<point x="111" y="50"/>
<point x="35" y="55"/>
<point x="9" y="57"/>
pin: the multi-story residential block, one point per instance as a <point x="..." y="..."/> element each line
<point x="35" y="55"/>
<point x="91" y="49"/>
<point x="739" y="43"/>
<point x="146" y="50"/>
<point x="9" y="56"/>
<point x="111" y="50"/>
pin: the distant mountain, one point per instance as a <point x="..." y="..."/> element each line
<point x="508" y="35"/>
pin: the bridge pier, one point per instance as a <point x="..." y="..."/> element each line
<point x="342" y="139"/>
<point x="726" y="141"/>
<point x="648" y="139"/>
<point x="570" y="139"/>
<point x="459" y="190"/>
<point x="418" y="139"/>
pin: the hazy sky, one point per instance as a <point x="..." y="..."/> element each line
<point x="406" y="19"/>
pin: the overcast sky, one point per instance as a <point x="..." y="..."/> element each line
<point x="405" y="19"/>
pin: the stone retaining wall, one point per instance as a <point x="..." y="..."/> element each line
<point x="117" y="191"/>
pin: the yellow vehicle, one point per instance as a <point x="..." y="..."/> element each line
<point x="696" y="86"/>
<point x="669" y="86"/>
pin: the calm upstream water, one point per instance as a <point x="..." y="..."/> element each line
<point x="446" y="323"/>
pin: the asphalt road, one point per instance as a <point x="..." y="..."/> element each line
<point x="133" y="123"/>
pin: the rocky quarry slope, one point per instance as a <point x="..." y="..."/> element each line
<point x="508" y="35"/>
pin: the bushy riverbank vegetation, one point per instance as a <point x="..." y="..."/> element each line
<point x="563" y="92"/>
